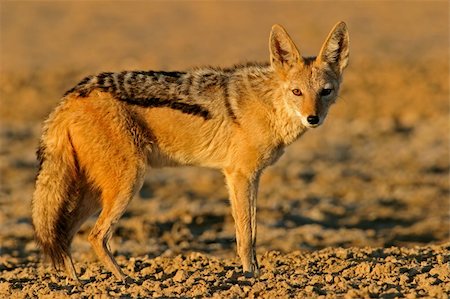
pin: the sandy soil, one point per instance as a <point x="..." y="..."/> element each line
<point x="357" y="208"/>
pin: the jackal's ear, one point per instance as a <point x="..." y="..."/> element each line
<point x="335" y="50"/>
<point x="283" y="52"/>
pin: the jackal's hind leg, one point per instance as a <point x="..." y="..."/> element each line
<point x="116" y="196"/>
<point x="70" y="269"/>
<point x="101" y="234"/>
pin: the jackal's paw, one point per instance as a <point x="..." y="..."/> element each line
<point x="76" y="282"/>
<point x="253" y="271"/>
<point x="127" y="280"/>
<point x="249" y="274"/>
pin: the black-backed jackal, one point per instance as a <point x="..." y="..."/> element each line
<point x="97" y="144"/>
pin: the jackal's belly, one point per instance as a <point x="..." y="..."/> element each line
<point x="173" y="156"/>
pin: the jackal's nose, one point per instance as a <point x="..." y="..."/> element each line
<point x="313" y="119"/>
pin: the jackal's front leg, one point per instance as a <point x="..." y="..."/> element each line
<point x="243" y="190"/>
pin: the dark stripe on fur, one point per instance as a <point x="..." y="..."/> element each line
<point x="192" y="109"/>
<point x="140" y="133"/>
<point x="103" y="77"/>
<point x="187" y="85"/>
<point x="121" y="83"/>
<point x="226" y="95"/>
<point x="80" y="87"/>
<point x="40" y="157"/>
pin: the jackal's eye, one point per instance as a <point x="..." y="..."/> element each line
<point x="325" y="92"/>
<point x="297" y="92"/>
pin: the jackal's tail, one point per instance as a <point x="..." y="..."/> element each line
<point x="55" y="194"/>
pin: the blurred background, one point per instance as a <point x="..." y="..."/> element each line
<point x="376" y="173"/>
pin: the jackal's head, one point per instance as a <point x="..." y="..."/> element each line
<point x="309" y="85"/>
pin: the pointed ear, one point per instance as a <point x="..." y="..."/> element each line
<point x="283" y="52"/>
<point x="335" y="50"/>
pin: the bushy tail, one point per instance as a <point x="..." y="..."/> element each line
<point x="53" y="198"/>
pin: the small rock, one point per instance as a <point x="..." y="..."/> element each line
<point x="180" y="276"/>
<point x="258" y="287"/>
<point x="442" y="271"/>
<point x="237" y="290"/>
<point x="411" y="296"/>
<point x="329" y="278"/>
<point x="352" y="294"/>
<point x="5" y="286"/>
<point x="247" y="289"/>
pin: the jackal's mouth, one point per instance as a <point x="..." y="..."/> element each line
<point x="312" y="126"/>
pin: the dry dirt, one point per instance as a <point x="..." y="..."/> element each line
<point x="357" y="208"/>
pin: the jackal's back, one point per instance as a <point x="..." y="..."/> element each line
<point x="195" y="92"/>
